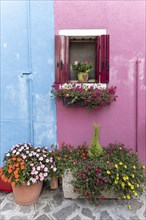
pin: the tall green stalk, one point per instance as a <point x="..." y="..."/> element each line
<point x="95" y="149"/>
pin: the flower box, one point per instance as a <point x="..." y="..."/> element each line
<point x="78" y="94"/>
<point x="68" y="189"/>
<point x="68" y="101"/>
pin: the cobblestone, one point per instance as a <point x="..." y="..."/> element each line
<point x="53" y="206"/>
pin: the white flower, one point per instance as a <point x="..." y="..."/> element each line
<point x="17" y="153"/>
<point x="38" y="168"/>
<point x="41" y="158"/>
<point x="38" y="150"/>
<point x="37" y="155"/>
<point x="46" y="169"/>
<point x="24" y="157"/>
<point x="47" y="160"/>
<point x="76" y="63"/>
<point x="30" y="154"/>
<point x="14" y="151"/>
<point x="28" y="183"/>
<point x="27" y="152"/>
<point x="45" y="174"/>
<point x="54" y="169"/>
<point x="51" y="159"/>
<point x="8" y="154"/>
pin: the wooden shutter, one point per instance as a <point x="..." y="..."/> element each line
<point x="102" y="60"/>
<point x="61" y="59"/>
<point x="97" y="61"/>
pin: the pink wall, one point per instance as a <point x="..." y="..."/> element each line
<point x="125" y="22"/>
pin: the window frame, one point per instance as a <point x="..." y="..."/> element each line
<point x="62" y="54"/>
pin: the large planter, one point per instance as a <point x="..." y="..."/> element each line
<point x="27" y="195"/>
<point x="68" y="189"/>
<point x="5" y="187"/>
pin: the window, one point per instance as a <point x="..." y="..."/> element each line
<point x="82" y="46"/>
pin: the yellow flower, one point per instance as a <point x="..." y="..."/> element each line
<point x="108" y="172"/>
<point x="120" y="163"/>
<point x="116" y="182"/>
<point x="134" y="167"/>
<point x="132" y="175"/>
<point x="67" y="88"/>
<point x="125" y="166"/>
<point x="124" y="197"/>
<point x="117" y="178"/>
<point x="132" y="186"/>
<point x="125" y="178"/>
<point x="123" y="185"/>
<point x="116" y="166"/>
<point x="129" y="207"/>
<point x="143" y="167"/>
<point x="128" y="197"/>
<point x="67" y="95"/>
<point x="129" y="184"/>
<point x="137" y="185"/>
<point x="135" y="193"/>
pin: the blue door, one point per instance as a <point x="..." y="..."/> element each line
<point x="16" y="82"/>
<point x="27" y="72"/>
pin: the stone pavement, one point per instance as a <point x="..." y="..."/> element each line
<point x="53" y="206"/>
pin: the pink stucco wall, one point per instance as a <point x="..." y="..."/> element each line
<point x="122" y="122"/>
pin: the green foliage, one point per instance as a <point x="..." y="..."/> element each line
<point x="117" y="170"/>
<point x="68" y="157"/>
<point x="95" y="149"/>
<point x="82" y="66"/>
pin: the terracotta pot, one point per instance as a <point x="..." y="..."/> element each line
<point x="54" y="182"/>
<point x="27" y="195"/>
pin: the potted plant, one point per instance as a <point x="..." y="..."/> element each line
<point x="93" y="97"/>
<point x="83" y="69"/>
<point x="26" y="167"/>
<point x="106" y="172"/>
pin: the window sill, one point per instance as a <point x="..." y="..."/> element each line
<point x="87" y="84"/>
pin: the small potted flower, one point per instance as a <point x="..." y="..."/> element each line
<point x="83" y="69"/>
<point x="25" y="168"/>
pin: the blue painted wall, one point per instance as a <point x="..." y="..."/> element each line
<point x="27" y="45"/>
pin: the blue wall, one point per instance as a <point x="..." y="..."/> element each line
<point x="27" y="45"/>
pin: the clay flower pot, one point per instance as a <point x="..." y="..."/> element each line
<point x="83" y="76"/>
<point x="27" y="195"/>
<point x="54" y="182"/>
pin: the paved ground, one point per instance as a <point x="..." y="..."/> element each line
<point x="53" y="206"/>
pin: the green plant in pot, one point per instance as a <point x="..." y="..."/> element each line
<point x="83" y="69"/>
<point x="113" y="171"/>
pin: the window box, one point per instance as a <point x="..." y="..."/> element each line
<point x="69" y="101"/>
<point x="78" y="94"/>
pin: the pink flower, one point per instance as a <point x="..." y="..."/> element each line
<point x="46" y="169"/>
